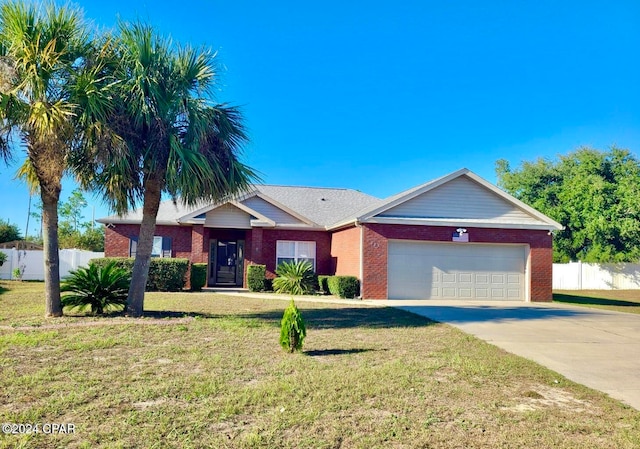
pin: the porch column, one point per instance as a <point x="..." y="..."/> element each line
<point x="256" y="246"/>
<point x="197" y="244"/>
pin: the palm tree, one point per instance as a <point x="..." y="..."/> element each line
<point x="174" y="139"/>
<point x="50" y="84"/>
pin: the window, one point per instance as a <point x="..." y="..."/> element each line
<point x="290" y="251"/>
<point x="161" y="246"/>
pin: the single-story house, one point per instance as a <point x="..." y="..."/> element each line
<point x="457" y="236"/>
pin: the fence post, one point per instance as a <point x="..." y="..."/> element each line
<point x="580" y="274"/>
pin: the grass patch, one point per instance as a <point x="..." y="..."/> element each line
<point x="618" y="300"/>
<point x="206" y="370"/>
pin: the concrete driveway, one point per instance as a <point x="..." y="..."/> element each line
<point x="596" y="348"/>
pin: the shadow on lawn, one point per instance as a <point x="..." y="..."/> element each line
<point x="325" y="352"/>
<point x="586" y="300"/>
<point x="329" y="318"/>
<point x="342" y="318"/>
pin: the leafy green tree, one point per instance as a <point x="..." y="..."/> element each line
<point x="9" y="232"/>
<point x="52" y="98"/>
<point x="173" y="138"/>
<point x="92" y="239"/>
<point x="71" y="211"/>
<point x="594" y="194"/>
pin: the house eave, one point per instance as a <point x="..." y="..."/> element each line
<point x="456" y="222"/>
<point x="106" y="221"/>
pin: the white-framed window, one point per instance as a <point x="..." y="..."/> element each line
<point x="293" y="251"/>
<point x="161" y="246"/>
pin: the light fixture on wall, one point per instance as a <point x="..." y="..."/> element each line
<point x="460" y="235"/>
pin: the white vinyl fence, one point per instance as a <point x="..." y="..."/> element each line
<point x="591" y="276"/>
<point x="31" y="262"/>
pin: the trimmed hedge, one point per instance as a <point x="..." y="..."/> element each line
<point x="344" y="286"/>
<point x="165" y="275"/>
<point x="256" y="277"/>
<point x="198" y="276"/>
<point x="323" y="286"/>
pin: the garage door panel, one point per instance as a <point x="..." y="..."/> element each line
<point x="420" y="270"/>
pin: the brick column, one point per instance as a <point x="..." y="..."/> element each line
<point x="374" y="254"/>
<point x="255" y="255"/>
<point x="197" y="244"/>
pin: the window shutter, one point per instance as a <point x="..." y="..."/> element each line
<point x="166" y="247"/>
<point x="133" y="246"/>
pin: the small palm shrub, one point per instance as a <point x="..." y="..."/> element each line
<point x="295" y="278"/>
<point x="292" y="329"/>
<point x="96" y="287"/>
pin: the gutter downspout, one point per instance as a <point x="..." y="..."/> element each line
<point x="358" y="225"/>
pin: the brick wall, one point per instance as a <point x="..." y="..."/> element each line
<point x="116" y="241"/>
<point x="376" y="236"/>
<point x="345" y="251"/>
<point x="264" y="252"/>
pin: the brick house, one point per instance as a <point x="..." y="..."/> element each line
<point x="457" y="236"/>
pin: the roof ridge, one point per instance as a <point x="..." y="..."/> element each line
<point x="307" y="187"/>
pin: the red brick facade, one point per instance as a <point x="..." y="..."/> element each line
<point x="345" y="251"/>
<point x="339" y="252"/>
<point x="376" y="236"/>
<point x="265" y="254"/>
<point x="117" y="238"/>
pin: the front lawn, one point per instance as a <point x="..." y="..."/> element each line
<point x="618" y="300"/>
<point x="205" y="370"/>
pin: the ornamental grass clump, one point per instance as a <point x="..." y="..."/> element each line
<point x="292" y="329"/>
<point x="295" y="278"/>
<point x="98" y="288"/>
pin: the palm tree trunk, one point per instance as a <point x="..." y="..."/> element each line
<point x="53" y="307"/>
<point x="152" y="195"/>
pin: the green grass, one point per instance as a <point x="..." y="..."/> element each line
<point x="619" y="300"/>
<point x="206" y="370"/>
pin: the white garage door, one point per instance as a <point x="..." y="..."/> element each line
<point x="419" y="270"/>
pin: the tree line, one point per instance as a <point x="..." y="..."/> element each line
<point x="73" y="230"/>
<point x="594" y="194"/>
<point x="128" y="112"/>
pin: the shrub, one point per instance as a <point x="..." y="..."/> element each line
<point x="256" y="277"/>
<point x="3" y="258"/>
<point x="292" y="329"/>
<point x="323" y="286"/>
<point x="164" y="274"/>
<point x="198" y="276"/>
<point x="344" y="286"/>
<point x="295" y="278"/>
<point x="167" y="275"/>
<point x="96" y="287"/>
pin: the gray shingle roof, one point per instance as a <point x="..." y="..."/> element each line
<point x="322" y="206"/>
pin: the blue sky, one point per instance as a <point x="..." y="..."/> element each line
<point x="386" y="97"/>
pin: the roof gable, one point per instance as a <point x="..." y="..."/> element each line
<point x="459" y="198"/>
<point x="276" y="214"/>
<point x="228" y="216"/>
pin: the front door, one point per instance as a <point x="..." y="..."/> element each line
<point x="226" y="263"/>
